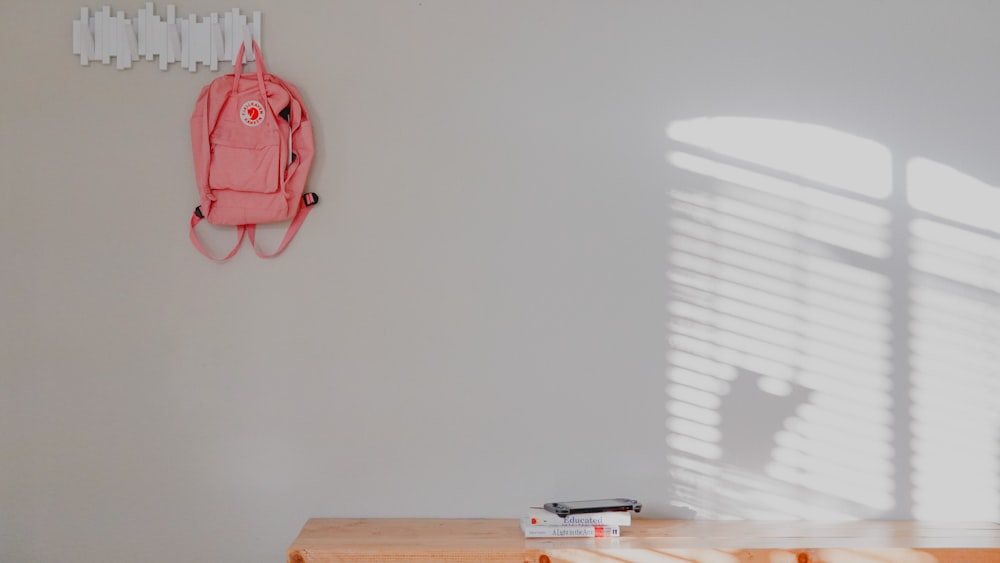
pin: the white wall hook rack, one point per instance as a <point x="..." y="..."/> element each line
<point x="188" y="40"/>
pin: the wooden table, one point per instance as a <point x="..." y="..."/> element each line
<point x="327" y="540"/>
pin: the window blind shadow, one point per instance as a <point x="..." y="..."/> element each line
<point x="828" y="332"/>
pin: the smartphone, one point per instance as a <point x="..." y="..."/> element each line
<point x="599" y="505"/>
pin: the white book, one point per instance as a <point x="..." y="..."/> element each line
<point x="540" y="516"/>
<point x="542" y="531"/>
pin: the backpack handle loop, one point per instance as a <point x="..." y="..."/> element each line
<point x="309" y="199"/>
<point x="196" y="218"/>
<point x="238" y="68"/>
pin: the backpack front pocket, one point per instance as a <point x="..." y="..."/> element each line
<point x="245" y="169"/>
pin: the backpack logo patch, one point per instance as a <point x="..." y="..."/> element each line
<point x="252" y="113"/>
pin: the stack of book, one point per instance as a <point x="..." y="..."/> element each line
<point x="540" y="523"/>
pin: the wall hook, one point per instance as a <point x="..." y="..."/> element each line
<point x="190" y="41"/>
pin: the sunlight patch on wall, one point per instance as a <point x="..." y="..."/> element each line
<point x="942" y="191"/>
<point x="779" y="378"/>
<point x="955" y="328"/>
<point x="811" y="152"/>
<point x="803" y="211"/>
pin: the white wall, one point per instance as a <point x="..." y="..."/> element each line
<point x="493" y="253"/>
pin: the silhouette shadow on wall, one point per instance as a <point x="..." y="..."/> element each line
<point x="831" y="317"/>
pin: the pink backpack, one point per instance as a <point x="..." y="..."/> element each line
<point x="253" y="145"/>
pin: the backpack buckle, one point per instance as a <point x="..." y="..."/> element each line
<point x="310" y="199"/>
<point x="198" y="213"/>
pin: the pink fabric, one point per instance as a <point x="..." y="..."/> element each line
<point x="244" y="169"/>
<point x="240" y="231"/>
<point x="289" y="234"/>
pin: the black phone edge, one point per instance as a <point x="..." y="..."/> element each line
<point x="613" y="505"/>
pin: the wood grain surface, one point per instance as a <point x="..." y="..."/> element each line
<point x="327" y="540"/>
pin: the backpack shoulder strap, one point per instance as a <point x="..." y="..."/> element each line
<point x="308" y="200"/>
<point x="196" y="218"/>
